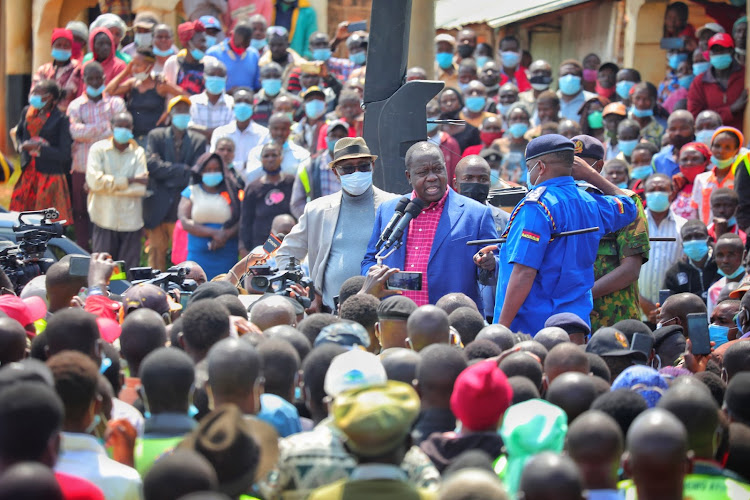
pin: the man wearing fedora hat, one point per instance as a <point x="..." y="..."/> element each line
<point x="333" y="230"/>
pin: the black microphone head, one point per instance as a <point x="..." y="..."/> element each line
<point x="401" y="205"/>
<point x="415" y="207"/>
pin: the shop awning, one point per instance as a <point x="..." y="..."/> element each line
<point x="450" y="14"/>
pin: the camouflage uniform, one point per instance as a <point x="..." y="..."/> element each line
<point x="622" y="304"/>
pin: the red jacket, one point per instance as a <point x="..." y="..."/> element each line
<point x="520" y="79"/>
<point x="706" y="93"/>
<point x="451" y="152"/>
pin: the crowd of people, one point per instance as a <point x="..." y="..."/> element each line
<point x="596" y="347"/>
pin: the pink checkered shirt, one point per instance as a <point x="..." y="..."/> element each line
<point x="419" y="246"/>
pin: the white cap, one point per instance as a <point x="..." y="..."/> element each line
<point x="352" y="370"/>
<point x="36" y="287"/>
<point x="445" y="37"/>
<point x="715" y="27"/>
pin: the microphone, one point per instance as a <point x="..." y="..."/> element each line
<point x="413" y="209"/>
<point x="400" y="207"/>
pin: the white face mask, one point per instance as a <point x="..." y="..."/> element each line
<point x="143" y="39"/>
<point x="356" y="183"/>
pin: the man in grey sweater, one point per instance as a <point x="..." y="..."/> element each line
<point x="334" y="230"/>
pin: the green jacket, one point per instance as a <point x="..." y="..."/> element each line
<point x="304" y="24"/>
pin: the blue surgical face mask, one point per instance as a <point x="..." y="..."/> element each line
<point x="510" y="59"/>
<point x="685" y="81"/>
<point x="570" y="84"/>
<point x="36" y="101"/>
<point x="211" y="41"/>
<point x="481" y="61"/>
<point x="258" y="44"/>
<point x="722" y="164"/>
<point x="94" y="92"/>
<point x="504" y="108"/>
<point x="122" y="135"/>
<point x="641" y="113"/>
<point x="718" y="334"/>
<point x="330" y="144"/>
<point x="701" y="67"/>
<point x="198" y="54"/>
<point x="315" y="108"/>
<point x="321" y="54"/>
<point x="162" y="53"/>
<point x="212" y="179"/>
<point x="475" y="103"/>
<point x="641" y="172"/>
<point x="518" y="129"/>
<point x="271" y="86"/>
<point x="732" y="221"/>
<point x="444" y="59"/>
<point x="623" y="88"/>
<point x="242" y="111"/>
<point x="676" y="59"/>
<point x="431" y="127"/>
<point x="494" y="177"/>
<point x="740" y="271"/>
<point x="463" y="87"/>
<point x="627" y="147"/>
<point x="358" y="58"/>
<point x="721" y="61"/>
<point x="61" y="55"/>
<point x="657" y="201"/>
<point x="695" y="249"/>
<point x="356" y="183"/>
<point x="181" y="120"/>
<point x="622" y="185"/>
<point x="215" y="84"/>
<point x="529" y="184"/>
<point x="704" y="136"/>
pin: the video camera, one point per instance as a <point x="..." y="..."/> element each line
<point x="25" y="260"/>
<point x="174" y="278"/>
<point x="272" y="280"/>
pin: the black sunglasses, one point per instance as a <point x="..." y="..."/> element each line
<point x="350" y="169"/>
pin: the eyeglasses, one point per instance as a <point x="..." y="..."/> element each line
<point x="350" y="169"/>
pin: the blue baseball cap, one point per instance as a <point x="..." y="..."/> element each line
<point x="210" y="22"/>
<point x="280" y="413"/>
<point x="546" y="144"/>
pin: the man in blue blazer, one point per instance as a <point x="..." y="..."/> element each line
<point x="435" y="241"/>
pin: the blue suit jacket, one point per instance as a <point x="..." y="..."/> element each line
<point x="451" y="266"/>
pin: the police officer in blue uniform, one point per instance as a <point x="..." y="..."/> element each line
<point x="540" y="274"/>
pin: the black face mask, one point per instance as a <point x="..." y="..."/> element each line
<point x="679" y="140"/>
<point x="465" y="50"/>
<point x="475" y="190"/>
<point x="451" y="115"/>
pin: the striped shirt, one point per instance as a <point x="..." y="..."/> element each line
<point x="211" y="116"/>
<point x="663" y="255"/>
<point x="419" y="240"/>
<point x="90" y="122"/>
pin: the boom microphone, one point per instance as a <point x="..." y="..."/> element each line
<point x="400" y="207"/>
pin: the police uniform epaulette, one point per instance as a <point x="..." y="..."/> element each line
<point x="536" y="193"/>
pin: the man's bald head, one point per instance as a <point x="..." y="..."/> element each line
<point x="143" y="332"/>
<point x="499" y="334"/>
<point x="275" y="310"/>
<point x="439" y="367"/>
<point x="680" y="305"/>
<point x="694" y="406"/>
<point x="573" y="392"/>
<point x="427" y="325"/>
<point x="452" y="301"/>
<point x="473" y="161"/>
<point x="549" y="476"/>
<point x="737" y="356"/>
<point x="401" y="364"/>
<point x="657" y="454"/>
<point x="279" y="119"/>
<point x="681" y="115"/>
<point x="234" y="367"/>
<point x="551" y="336"/>
<point x="423" y="149"/>
<point x="282" y="224"/>
<point x="12" y="341"/>
<point x="595" y="442"/>
<point x="566" y="357"/>
<point x="472" y="483"/>
<point x="540" y="65"/>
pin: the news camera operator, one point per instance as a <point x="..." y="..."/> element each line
<point x="434" y="243"/>
<point x="332" y="230"/>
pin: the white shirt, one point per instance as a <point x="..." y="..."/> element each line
<point x="294" y="154"/>
<point x="244" y="140"/>
<point x="205" y="114"/>
<point x="82" y="456"/>
<point x="663" y="254"/>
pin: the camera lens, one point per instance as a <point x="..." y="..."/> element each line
<point x="259" y="282"/>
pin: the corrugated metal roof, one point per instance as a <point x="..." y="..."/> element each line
<point x="451" y="14"/>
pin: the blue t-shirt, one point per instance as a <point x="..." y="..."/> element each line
<point x="242" y="71"/>
<point x="565" y="265"/>
<point x="664" y="163"/>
